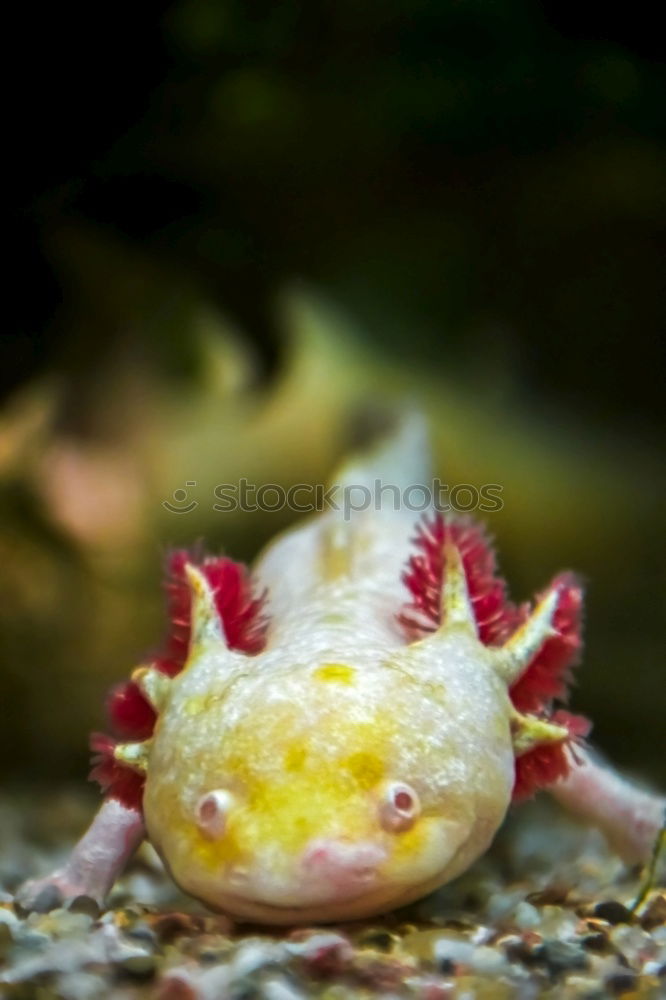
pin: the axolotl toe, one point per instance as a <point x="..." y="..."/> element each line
<point x="351" y="737"/>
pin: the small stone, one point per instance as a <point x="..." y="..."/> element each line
<point x="220" y="923"/>
<point x="81" y="985"/>
<point x="632" y="940"/>
<point x="475" y="988"/>
<point x="659" y="935"/>
<point x="6" y="940"/>
<point x="501" y="906"/>
<point x="84" y="904"/>
<point x="655" y="913"/>
<point x="141" y="932"/>
<point x="325" y="953"/>
<point x="521" y="948"/>
<point x="487" y="961"/>
<point x="64" y="924"/>
<point x="622" y="982"/>
<point x="424" y="944"/>
<point x="526" y="916"/>
<point x="558" y="922"/>
<point x="560" y="956"/>
<point x="31" y="939"/>
<point x="176" y="987"/>
<point x="377" y="938"/>
<point x="585" y="988"/>
<point x="430" y="989"/>
<point x="169" y="926"/>
<point x="138" y="966"/>
<point x="279" y="989"/>
<point x="452" y="952"/>
<point x="48" y="898"/>
<point x="129" y="914"/>
<point x="254" y="955"/>
<point x="551" y="895"/>
<point x="597" y="941"/>
<point x="8" y="918"/>
<point x="209" y="948"/>
<point x="613" y="912"/>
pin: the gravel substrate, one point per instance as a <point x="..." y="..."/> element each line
<point x="545" y="914"/>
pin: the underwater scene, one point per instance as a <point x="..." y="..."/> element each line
<point x="331" y="482"/>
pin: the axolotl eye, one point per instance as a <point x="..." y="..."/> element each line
<point x="399" y="807"/>
<point x="212" y="811"/>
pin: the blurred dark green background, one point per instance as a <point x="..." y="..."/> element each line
<point x="477" y="187"/>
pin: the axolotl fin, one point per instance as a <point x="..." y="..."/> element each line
<point x="400" y="457"/>
<point x="361" y="533"/>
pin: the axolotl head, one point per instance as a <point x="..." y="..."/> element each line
<point x="324" y="792"/>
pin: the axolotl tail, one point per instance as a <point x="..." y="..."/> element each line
<point x="361" y="537"/>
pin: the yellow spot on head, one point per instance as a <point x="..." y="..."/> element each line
<point x="366" y="768"/>
<point x="338" y="673"/>
<point x="294" y="758"/>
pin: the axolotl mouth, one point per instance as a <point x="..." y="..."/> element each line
<point x="340" y="881"/>
<point x="332" y="872"/>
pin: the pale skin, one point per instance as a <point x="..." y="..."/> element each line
<point x="342" y="771"/>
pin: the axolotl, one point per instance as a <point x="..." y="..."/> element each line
<point x="343" y="731"/>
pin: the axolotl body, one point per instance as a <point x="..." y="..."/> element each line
<point x="346" y="731"/>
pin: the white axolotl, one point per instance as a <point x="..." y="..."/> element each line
<point x="352" y="739"/>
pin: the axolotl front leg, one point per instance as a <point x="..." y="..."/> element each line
<point x="632" y="819"/>
<point x="95" y="862"/>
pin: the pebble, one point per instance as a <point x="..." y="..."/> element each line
<point x="28" y="938"/>
<point x="555" y="894"/>
<point x="8" y="918"/>
<point x="655" y="912"/>
<point x="560" y="956"/>
<point x="84" y="904"/>
<point x="176" y="985"/>
<point x="325" y="952"/>
<point x="49" y="898"/>
<point x="597" y="941"/>
<point x="488" y="961"/>
<point x="452" y="952"/>
<point x="526" y="916"/>
<point x="63" y="924"/>
<point x="558" y="922"/>
<point x="633" y="940"/>
<point x="502" y="906"/>
<point x="622" y="982"/>
<point x="211" y="984"/>
<point x="169" y="926"/>
<point x="138" y="966"/>
<point x="613" y="912"/>
<point x="209" y="948"/>
<point x="377" y="938"/>
<point x="280" y="989"/>
<point x="583" y="988"/>
<point x="6" y="941"/>
<point x="81" y="985"/>
<point x="142" y="932"/>
<point x="254" y="955"/>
